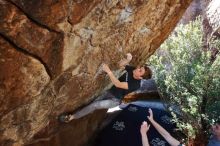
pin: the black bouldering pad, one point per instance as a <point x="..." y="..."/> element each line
<point x="124" y="130"/>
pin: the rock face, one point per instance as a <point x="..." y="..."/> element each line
<point x="195" y="9"/>
<point x="209" y="10"/>
<point x="50" y="57"/>
<point x="212" y="18"/>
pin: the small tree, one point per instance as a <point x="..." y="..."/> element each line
<point x="188" y="79"/>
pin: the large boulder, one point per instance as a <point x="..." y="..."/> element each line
<point x="51" y="52"/>
<point x="211" y="22"/>
<point x="195" y="9"/>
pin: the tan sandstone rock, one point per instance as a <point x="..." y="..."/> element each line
<point x="54" y="51"/>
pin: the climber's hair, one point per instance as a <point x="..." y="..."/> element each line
<point x="148" y="72"/>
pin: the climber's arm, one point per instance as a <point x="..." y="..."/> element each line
<point x="115" y="81"/>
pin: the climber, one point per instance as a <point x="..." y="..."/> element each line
<point x="127" y="83"/>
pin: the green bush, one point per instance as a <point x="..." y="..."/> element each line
<point x="188" y="78"/>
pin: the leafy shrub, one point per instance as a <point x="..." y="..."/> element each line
<point x="188" y="79"/>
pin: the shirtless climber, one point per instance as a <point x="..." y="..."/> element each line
<point x="127" y="83"/>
